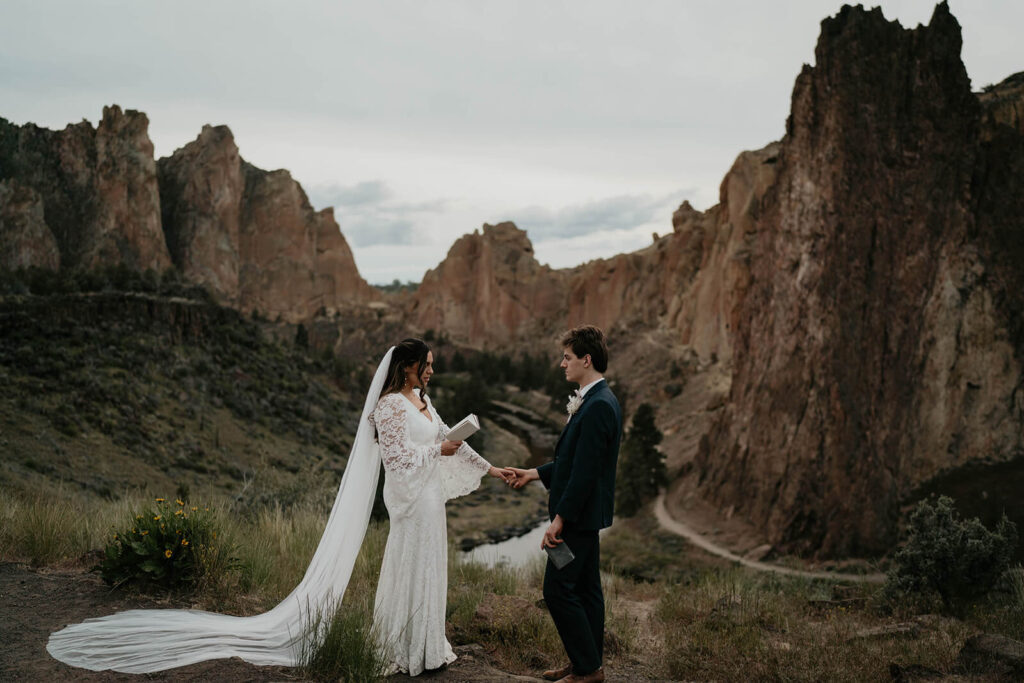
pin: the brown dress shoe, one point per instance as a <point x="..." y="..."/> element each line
<point x="592" y="677"/>
<point x="557" y="674"/>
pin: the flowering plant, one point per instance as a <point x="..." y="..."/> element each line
<point x="169" y="544"/>
<point x="575" y="400"/>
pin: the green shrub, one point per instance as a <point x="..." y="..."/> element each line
<point x="946" y="556"/>
<point x="171" y="545"/>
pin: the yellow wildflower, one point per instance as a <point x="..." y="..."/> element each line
<point x="177" y="512"/>
<point x="157" y="518"/>
<point x="168" y="553"/>
<point x="159" y="500"/>
<point x="215" y="534"/>
<point x="179" y="502"/>
<point x="184" y="541"/>
<point x="144" y="533"/>
<point x="135" y="531"/>
<point x="194" y="508"/>
<point x="185" y="515"/>
<point x="138" y="516"/>
<point x="161" y="526"/>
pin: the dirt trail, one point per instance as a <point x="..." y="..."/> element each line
<point x="675" y="526"/>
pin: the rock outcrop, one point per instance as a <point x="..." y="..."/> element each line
<point x="90" y="198"/>
<point x="98" y="187"/>
<point x="879" y="340"/>
<point x="251" y="235"/>
<point x="283" y="244"/>
<point x="25" y="238"/>
<point x="201" y="188"/>
<point x="490" y="290"/>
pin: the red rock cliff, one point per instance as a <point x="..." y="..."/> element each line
<point x="879" y="341"/>
<point x="98" y="188"/>
<point x="490" y="290"/>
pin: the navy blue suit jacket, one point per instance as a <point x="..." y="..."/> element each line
<point x="581" y="478"/>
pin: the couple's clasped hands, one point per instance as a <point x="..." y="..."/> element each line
<point x="520" y="478"/>
<point x="513" y="476"/>
<point x="517" y="478"/>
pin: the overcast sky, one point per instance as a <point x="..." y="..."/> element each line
<point x="585" y="122"/>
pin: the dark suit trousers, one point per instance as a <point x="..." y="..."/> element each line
<point x="574" y="598"/>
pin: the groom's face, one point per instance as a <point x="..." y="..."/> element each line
<point x="573" y="365"/>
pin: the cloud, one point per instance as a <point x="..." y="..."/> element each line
<point x="621" y="212"/>
<point x="361" y="194"/>
<point x="369" y="216"/>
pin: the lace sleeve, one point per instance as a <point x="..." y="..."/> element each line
<point x="461" y="472"/>
<point x="396" y="452"/>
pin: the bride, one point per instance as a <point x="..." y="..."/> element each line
<point x="409" y="609"/>
<point x="422" y="470"/>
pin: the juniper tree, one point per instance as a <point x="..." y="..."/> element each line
<point x="641" y="470"/>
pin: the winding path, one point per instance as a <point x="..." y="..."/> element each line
<point x="676" y="527"/>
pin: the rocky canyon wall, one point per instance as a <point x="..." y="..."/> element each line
<point x="878" y="342"/>
<point x="89" y="197"/>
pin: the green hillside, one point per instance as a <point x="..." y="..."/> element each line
<point x="112" y="390"/>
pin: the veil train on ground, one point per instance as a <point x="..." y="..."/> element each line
<point x="143" y="641"/>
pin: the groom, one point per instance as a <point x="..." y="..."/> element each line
<point x="581" y="482"/>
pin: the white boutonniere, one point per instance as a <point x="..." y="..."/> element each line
<point x="575" y="400"/>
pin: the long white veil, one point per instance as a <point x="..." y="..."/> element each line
<point x="142" y="641"/>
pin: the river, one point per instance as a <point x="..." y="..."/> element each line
<point x="513" y="552"/>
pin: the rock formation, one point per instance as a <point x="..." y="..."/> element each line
<point x="490" y="290"/>
<point x="283" y="244"/>
<point x="338" y="282"/>
<point x="98" y="187"/>
<point x="251" y="235"/>
<point x="88" y="198"/>
<point x="201" y="188"/>
<point x="879" y="341"/>
<point x="25" y="239"/>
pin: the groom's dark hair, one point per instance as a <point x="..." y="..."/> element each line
<point x="588" y="339"/>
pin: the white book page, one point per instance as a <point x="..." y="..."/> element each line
<point x="466" y="427"/>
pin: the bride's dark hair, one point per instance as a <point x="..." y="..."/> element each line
<point x="409" y="353"/>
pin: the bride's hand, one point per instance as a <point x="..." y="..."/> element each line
<point x="449" y="447"/>
<point x="501" y="473"/>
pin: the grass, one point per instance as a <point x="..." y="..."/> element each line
<point x="735" y="625"/>
<point x="341" y="644"/>
<point x="698" y="622"/>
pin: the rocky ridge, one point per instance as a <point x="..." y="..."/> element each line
<point x="89" y="197"/>
<point x="98" y="189"/>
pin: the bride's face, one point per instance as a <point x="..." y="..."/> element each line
<point x="420" y="376"/>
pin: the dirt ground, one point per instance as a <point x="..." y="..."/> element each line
<point x="34" y="603"/>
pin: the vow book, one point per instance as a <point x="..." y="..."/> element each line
<point x="560" y="555"/>
<point x="466" y="427"/>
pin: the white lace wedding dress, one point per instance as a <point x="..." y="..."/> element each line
<point x="409" y="610"/>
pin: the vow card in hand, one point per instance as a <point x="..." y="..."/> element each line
<point x="560" y="555"/>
